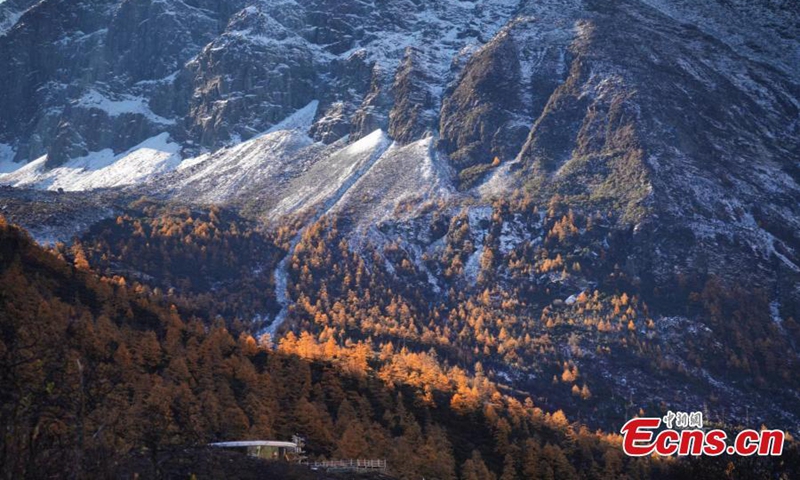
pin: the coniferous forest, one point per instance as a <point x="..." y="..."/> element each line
<point x="102" y="379"/>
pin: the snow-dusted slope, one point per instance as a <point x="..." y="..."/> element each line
<point x="224" y="175"/>
<point x="403" y="176"/>
<point x="329" y="178"/>
<point x="278" y="173"/>
<point x="281" y="172"/>
<point x="285" y="172"/>
<point x="101" y="169"/>
<point x="232" y="172"/>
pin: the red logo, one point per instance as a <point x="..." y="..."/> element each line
<point x="642" y="437"/>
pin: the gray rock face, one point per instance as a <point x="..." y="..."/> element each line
<point x="488" y="112"/>
<point x="354" y="74"/>
<point x="413" y="113"/>
<point x="477" y="121"/>
<point x="40" y="74"/>
<point x="660" y="131"/>
<point x="251" y="77"/>
<point x="151" y="40"/>
<point x="371" y="114"/>
<point x="333" y="124"/>
<point x="220" y="72"/>
<point x="87" y="127"/>
<point x="11" y="11"/>
<point x="62" y="51"/>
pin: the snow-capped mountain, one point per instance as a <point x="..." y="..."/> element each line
<point x="660" y="109"/>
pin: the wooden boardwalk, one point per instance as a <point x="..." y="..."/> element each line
<point x="359" y="464"/>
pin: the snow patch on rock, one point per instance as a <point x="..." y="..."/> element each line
<point x="7" y="163"/>
<point x="123" y="104"/>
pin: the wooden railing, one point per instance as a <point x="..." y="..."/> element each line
<point x="359" y="464"/>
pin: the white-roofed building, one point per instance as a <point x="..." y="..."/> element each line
<point x="267" y="449"/>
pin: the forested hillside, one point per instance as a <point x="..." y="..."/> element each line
<point x="554" y="318"/>
<point x="95" y="373"/>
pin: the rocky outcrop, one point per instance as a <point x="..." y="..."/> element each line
<point x="254" y="75"/>
<point x="354" y="76"/>
<point x="11" y="11"/>
<point x="165" y="34"/>
<point x="96" y="122"/>
<point x="371" y="114"/>
<point x="477" y="120"/>
<point x="40" y="74"/>
<point x="675" y="146"/>
<point x="413" y="113"/>
<point x="488" y="112"/>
